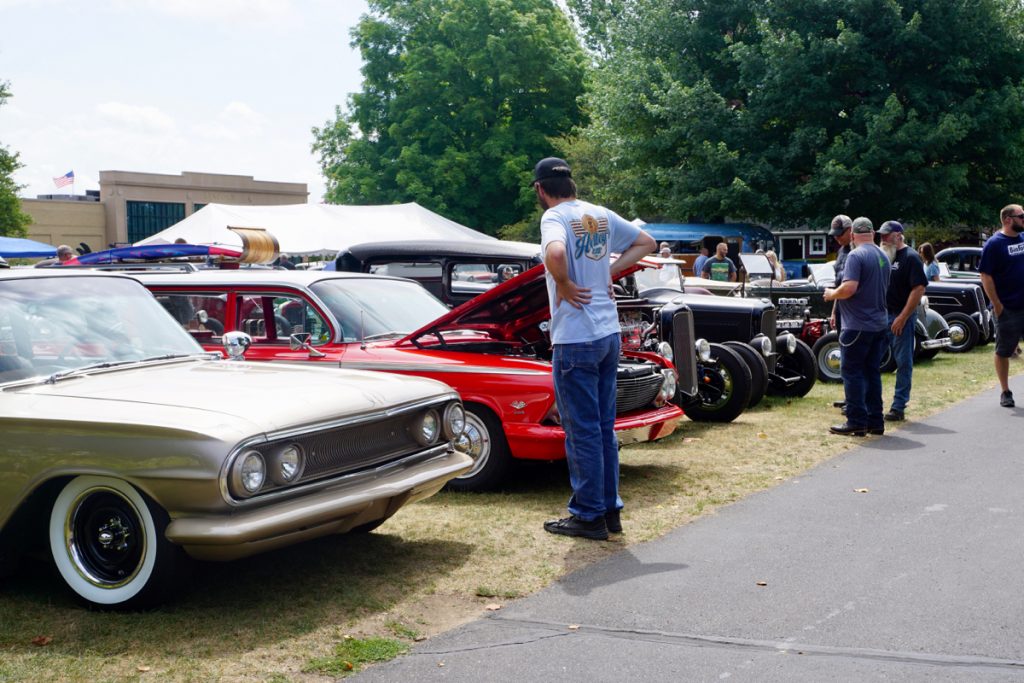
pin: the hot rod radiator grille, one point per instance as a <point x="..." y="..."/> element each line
<point x="636" y="392"/>
<point x="683" y="340"/>
<point x="350" y="449"/>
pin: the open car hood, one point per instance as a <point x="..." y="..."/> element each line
<point x="505" y="313"/>
<point x="511" y="311"/>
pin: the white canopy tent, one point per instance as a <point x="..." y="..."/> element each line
<point x="315" y="228"/>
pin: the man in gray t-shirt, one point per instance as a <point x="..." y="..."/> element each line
<point x="865" y="331"/>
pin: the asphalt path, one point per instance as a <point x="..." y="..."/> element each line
<point x="898" y="560"/>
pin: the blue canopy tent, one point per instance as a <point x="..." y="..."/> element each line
<point x="17" y="247"/>
<point x="692" y="234"/>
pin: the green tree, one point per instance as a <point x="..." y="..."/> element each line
<point x="460" y="98"/>
<point x="790" y="111"/>
<point x="12" y="219"/>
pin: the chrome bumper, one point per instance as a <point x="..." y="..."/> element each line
<point x="331" y="510"/>
<point x="937" y="343"/>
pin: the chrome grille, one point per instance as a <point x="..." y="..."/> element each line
<point x="353" y="448"/>
<point x="636" y="387"/>
<point x="683" y="351"/>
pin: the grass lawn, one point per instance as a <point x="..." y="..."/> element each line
<point x="316" y="611"/>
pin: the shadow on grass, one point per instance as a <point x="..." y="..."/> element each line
<point x="231" y="607"/>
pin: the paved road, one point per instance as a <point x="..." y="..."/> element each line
<point x="918" y="579"/>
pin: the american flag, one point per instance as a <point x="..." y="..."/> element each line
<point x="66" y="179"/>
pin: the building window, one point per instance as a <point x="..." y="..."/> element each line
<point x="149" y="218"/>
<point x="818" y="246"/>
<point x="196" y="207"/>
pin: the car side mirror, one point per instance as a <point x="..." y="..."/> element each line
<point x="300" y="341"/>
<point x="202" y="316"/>
<point x="236" y="344"/>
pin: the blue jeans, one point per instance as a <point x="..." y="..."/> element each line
<point x="861" y="356"/>
<point x="902" y="347"/>
<point x="584" y="377"/>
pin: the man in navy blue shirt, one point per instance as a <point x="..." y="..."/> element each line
<point x="865" y="331"/>
<point x="1002" y="276"/>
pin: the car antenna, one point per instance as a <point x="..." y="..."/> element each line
<point x="362" y="330"/>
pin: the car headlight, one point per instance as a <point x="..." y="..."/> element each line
<point x="287" y="465"/>
<point x="703" y="350"/>
<point x="427" y="428"/>
<point x="924" y="302"/>
<point x="454" y="420"/>
<point x="668" y="387"/>
<point x="787" y="342"/>
<point x="765" y="345"/>
<point x="665" y="349"/>
<point x="248" y="473"/>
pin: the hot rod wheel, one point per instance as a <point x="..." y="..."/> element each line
<point x="723" y="387"/>
<point x="758" y="370"/>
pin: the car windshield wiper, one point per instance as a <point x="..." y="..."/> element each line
<point x="102" y="365"/>
<point x="383" y="335"/>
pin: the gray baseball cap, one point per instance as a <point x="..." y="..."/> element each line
<point x="840" y="224"/>
<point x="862" y="225"/>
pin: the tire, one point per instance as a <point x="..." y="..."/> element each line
<point x="758" y="370"/>
<point x="484" y="441"/>
<point x="799" y="363"/>
<point x="827" y="358"/>
<point x="963" y="331"/>
<point x="723" y="387"/>
<point x="921" y="353"/>
<point x="107" y="541"/>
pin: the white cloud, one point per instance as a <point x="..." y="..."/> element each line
<point x="236" y="121"/>
<point x="142" y="118"/>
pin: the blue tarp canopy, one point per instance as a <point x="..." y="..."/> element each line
<point x="754" y="236"/>
<point x="17" y="247"/>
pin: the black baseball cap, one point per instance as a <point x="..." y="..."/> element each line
<point x="840" y="224"/>
<point x="890" y="226"/>
<point x="551" y="167"/>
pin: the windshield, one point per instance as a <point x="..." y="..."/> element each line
<point x="372" y="307"/>
<point x="61" y="324"/>
<point x="669" y="275"/>
<point x="822" y="274"/>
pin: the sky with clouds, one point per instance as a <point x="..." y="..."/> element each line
<point x="165" y="86"/>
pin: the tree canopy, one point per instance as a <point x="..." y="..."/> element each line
<point x="790" y="111"/>
<point x="12" y="219"/>
<point x="459" y="99"/>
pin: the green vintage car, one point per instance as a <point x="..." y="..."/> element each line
<point x="128" y="451"/>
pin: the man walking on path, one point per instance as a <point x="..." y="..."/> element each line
<point x="719" y="267"/>
<point x="1002" y="276"/>
<point x="865" y="331"/>
<point x="907" y="281"/>
<point x="576" y="241"/>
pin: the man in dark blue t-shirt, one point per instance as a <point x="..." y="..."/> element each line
<point x="907" y="281"/>
<point x="1002" y="276"/>
<point x="865" y="331"/>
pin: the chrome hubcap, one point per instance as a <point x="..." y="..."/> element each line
<point x="475" y="441"/>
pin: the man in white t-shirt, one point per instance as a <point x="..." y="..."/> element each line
<point x="577" y="239"/>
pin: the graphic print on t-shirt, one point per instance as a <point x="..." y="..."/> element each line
<point x="591" y="237"/>
<point x="720" y="270"/>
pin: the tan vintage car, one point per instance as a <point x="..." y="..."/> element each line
<point x="128" y="450"/>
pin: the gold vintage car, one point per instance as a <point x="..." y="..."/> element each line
<point x="129" y="450"/>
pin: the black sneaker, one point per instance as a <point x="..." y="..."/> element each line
<point x="847" y="429"/>
<point x="613" y="519"/>
<point x="893" y="415"/>
<point x="574" y="526"/>
<point x="1006" y="399"/>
